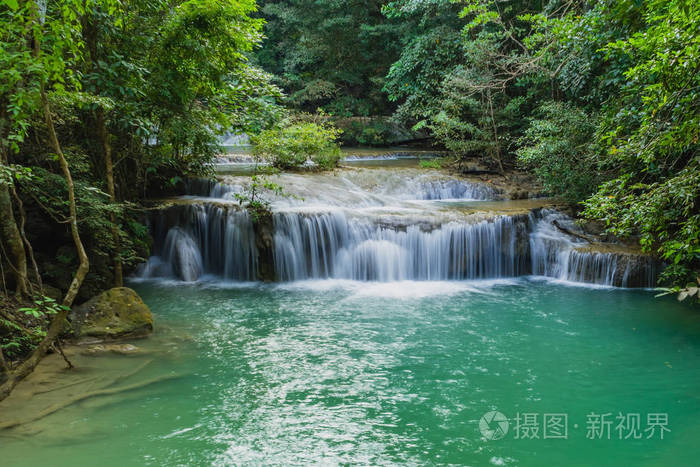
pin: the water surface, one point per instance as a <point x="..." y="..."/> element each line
<point x="384" y="373"/>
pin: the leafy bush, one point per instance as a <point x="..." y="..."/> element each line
<point x="23" y="324"/>
<point x="559" y="147"/>
<point x="430" y="164"/>
<point x="650" y="133"/>
<point x="47" y="210"/>
<point x="664" y="214"/>
<point x="290" y="147"/>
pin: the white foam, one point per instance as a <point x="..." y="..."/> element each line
<point x="569" y="283"/>
<point x="398" y="289"/>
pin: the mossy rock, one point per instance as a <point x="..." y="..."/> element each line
<point x="117" y="313"/>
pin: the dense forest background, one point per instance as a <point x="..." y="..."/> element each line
<point x="599" y="99"/>
<point x="107" y="103"/>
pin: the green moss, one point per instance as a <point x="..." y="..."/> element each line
<point x="116" y="313"/>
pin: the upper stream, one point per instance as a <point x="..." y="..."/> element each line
<point x="378" y="224"/>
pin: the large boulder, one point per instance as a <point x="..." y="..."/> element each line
<point x="117" y="313"/>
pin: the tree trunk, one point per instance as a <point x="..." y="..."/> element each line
<point x="73" y="210"/>
<point x="29" y="250"/>
<point x="109" y="169"/>
<point x="57" y="325"/>
<point x="10" y="238"/>
<point x="4" y="367"/>
<point x="90" y="28"/>
<point x="497" y="143"/>
<point x="12" y="241"/>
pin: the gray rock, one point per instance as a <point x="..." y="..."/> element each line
<point x="117" y="313"/>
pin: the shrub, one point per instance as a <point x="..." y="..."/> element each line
<point x="559" y="147"/>
<point x="430" y="164"/>
<point x="290" y="147"/>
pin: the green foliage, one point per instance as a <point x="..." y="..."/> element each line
<point x="201" y="83"/>
<point x="329" y="54"/>
<point x="432" y="48"/>
<point x="374" y="135"/>
<point x="465" y="77"/>
<point x="559" y="147"/>
<point x="254" y="195"/>
<point x="23" y="70"/>
<point x="365" y="131"/>
<point x="598" y="99"/>
<point x="168" y="79"/>
<point x="27" y="325"/>
<point x="664" y="213"/>
<point x="20" y="341"/>
<point x="430" y="164"/>
<point x="651" y="133"/>
<point x="14" y="172"/>
<point x="44" y="307"/>
<point x="48" y="191"/>
<point x="292" y="146"/>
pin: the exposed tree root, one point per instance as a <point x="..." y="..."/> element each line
<point x="3" y="364"/>
<point x="63" y="354"/>
<point x="68" y="402"/>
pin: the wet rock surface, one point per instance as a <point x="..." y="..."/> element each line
<point x="264" y="241"/>
<point x="117" y="313"/>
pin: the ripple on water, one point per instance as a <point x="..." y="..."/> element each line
<point x="335" y="372"/>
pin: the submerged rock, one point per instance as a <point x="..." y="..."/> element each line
<point x="121" y="349"/>
<point x="114" y="314"/>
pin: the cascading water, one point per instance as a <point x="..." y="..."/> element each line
<point x="379" y="188"/>
<point x="359" y="235"/>
<point x="329" y="245"/>
<point x="454" y="189"/>
<point x="203" y="239"/>
<point x="555" y="254"/>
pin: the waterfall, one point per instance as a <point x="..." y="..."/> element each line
<point x="183" y="255"/>
<point x="357" y="235"/>
<point x="328" y="245"/>
<point x="183" y="258"/>
<point x="555" y="254"/>
<point x="549" y="247"/>
<point x="454" y="189"/>
<point x="410" y="188"/>
<point x="204" y="188"/>
<point x="202" y="239"/>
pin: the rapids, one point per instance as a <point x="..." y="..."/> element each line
<point x="379" y="224"/>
